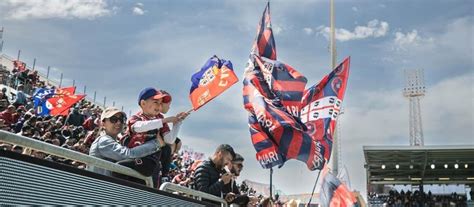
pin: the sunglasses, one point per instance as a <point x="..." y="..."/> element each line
<point x="240" y="165"/>
<point x="115" y="119"/>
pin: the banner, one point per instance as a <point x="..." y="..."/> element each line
<point x="322" y="104"/>
<point x="55" y="101"/>
<point x="277" y="134"/>
<point x="216" y="76"/>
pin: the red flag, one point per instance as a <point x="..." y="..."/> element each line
<point x="62" y="103"/>
<point x="67" y="91"/>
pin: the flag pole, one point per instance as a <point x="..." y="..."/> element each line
<point x="271" y="183"/>
<point x="334" y="151"/>
<point x="190" y="110"/>
<point x="314" y="188"/>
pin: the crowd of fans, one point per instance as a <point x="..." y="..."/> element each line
<point x="416" y="199"/>
<point x="79" y="130"/>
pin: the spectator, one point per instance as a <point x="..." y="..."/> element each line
<point x="231" y="190"/>
<point x="20" y="97"/>
<point x="4" y="102"/>
<point x="107" y="147"/>
<point x="148" y="125"/>
<point x="7" y="115"/>
<point x="170" y="148"/>
<point x="89" y="123"/>
<point x="75" y="118"/>
<point x="208" y="174"/>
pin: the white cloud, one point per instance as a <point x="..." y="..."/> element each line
<point x="138" y="9"/>
<point x="308" y="30"/>
<point x="355" y="9"/>
<point x="374" y="28"/>
<point x="277" y="29"/>
<point x="438" y="48"/>
<point x="403" y="41"/>
<point x="45" y="9"/>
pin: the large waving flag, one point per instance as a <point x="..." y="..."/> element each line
<point x="264" y="44"/>
<point x="334" y="193"/>
<point x="60" y="105"/>
<point x="322" y="104"/>
<point x="277" y="135"/>
<point x="215" y="77"/>
<point x="285" y="83"/>
<point x="55" y="101"/>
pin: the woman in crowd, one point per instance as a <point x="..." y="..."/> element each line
<point x="107" y="147"/>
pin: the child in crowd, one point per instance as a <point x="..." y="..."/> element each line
<point x="149" y="124"/>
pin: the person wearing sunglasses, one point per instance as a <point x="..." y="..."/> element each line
<point x="231" y="191"/>
<point x="107" y="146"/>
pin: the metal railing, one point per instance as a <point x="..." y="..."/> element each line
<point x="72" y="155"/>
<point x="198" y="195"/>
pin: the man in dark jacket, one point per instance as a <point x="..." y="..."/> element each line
<point x="208" y="176"/>
<point x="231" y="190"/>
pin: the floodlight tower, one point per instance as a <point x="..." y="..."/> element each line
<point x="414" y="90"/>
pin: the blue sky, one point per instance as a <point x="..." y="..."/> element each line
<point x="119" y="47"/>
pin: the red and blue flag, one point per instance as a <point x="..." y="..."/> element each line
<point x="285" y="120"/>
<point x="55" y="101"/>
<point x="321" y="104"/>
<point x="334" y="193"/>
<point x="277" y="134"/>
<point x="216" y="76"/>
<point x="264" y="45"/>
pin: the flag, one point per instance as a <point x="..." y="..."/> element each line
<point x="55" y="101"/>
<point x="322" y="104"/>
<point x="61" y="104"/>
<point x="264" y="44"/>
<point x="39" y="100"/>
<point x="285" y="83"/>
<point x="334" y="193"/>
<point x="276" y="134"/>
<point x="67" y="91"/>
<point x="215" y="77"/>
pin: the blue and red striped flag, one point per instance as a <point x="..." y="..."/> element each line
<point x="278" y="135"/>
<point x="264" y="44"/>
<point x="322" y="104"/>
<point x="334" y="193"/>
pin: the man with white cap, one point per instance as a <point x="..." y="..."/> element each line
<point x="107" y="147"/>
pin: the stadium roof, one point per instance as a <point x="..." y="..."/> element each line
<point x="416" y="164"/>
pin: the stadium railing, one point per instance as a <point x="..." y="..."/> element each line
<point x="15" y="139"/>
<point x="198" y="195"/>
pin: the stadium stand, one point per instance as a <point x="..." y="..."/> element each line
<point x="420" y="167"/>
<point x="43" y="159"/>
